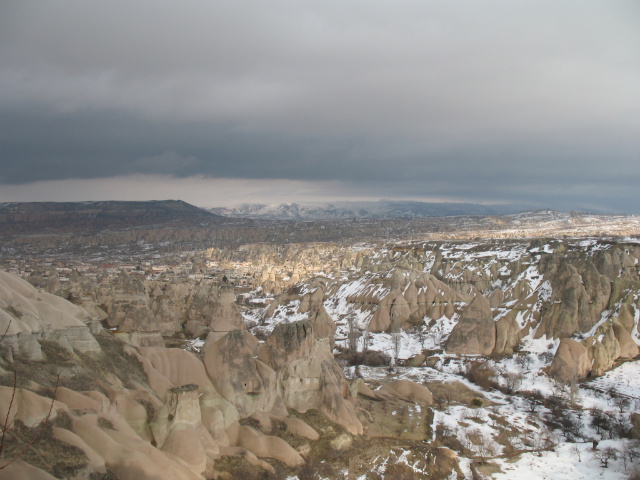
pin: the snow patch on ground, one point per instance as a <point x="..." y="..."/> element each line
<point x="568" y="461"/>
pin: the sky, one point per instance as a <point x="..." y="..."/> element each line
<point x="220" y="103"/>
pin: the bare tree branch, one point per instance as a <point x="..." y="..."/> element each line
<point x="37" y="435"/>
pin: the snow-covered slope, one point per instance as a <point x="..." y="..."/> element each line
<point x="348" y="210"/>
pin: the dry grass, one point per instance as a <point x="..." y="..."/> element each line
<point x="47" y="453"/>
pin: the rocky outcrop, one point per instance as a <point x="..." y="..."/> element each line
<point x="317" y="382"/>
<point x="571" y="361"/>
<point x="610" y="342"/>
<point x="27" y="316"/>
<point x="187" y="438"/>
<point x="212" y="309"/>
<point x="243" y="380"/>
<point x="475" y="332"/>
<point x="308" y="375"/>
<point x="507" y="336"/>
<point x="130" y="313"/>
<point x="405" y="390"/>
<point x="266" y="446"/>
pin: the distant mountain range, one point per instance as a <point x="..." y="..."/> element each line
<point x="91" y="217"/>
<point x="349" y="210"/>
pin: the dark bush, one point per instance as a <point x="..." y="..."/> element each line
<point x="370" y="359"/>
<point x="481" y="373"/>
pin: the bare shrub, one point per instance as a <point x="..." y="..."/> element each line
<point x="370" y="359"/>
<point x="399" y="471"/>
<point x="481" y="373"/>
<point x="512" y="380"/>
<point x="602" y="422"/>
<point x="605" y="455"/>
<point x="534" y="400"/>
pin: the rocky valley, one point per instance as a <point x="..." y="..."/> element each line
<point x="173" y="343"/>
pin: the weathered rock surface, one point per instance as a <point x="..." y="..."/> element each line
<point x="571" y="361"/>
<point x="406" y="390"/>
<point x="129" y="311"/>
<point x="243" y="380"/>
<point x="308" y="374"/>
<point x="475" y="332"/>
<point x="212" y="309"/>
<point x="27" y="315"/>
<point x="261" y="445"/>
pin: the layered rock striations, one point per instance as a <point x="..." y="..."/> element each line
<point x="27" y="316"/>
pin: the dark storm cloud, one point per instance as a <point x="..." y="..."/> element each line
<point x="498" y="100"/>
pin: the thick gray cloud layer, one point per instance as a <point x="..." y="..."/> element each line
<point x="496" y="100"/>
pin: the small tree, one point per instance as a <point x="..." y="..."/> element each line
<point x="575" y="449"/>
<point x="513" y="380"/>
<point x="534" y="400"/>
<point x="600" y="421"/>
<point x="606" y="454"/>
<point x="621" y="403"/>
<point x="353" y="332"/>
<point x="396" y="341"/>
<point x="365" y="340"/>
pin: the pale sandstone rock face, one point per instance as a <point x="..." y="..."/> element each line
<point x="308" y="375"/>
<point x="187" y="438"/>
<point x="77" y="401"/>
<point x="381" y="321"/>
<point x="416" y="360"/>
<point x="167" y="314"/>
<point x="610" y="342"/>
<point x="507" y="336"/>
<point x="129" y="311"/>
<point x="323" y="324"/>
<point x="626" y="316"/>
<point x="53" y="282"/>
<point x="96" y="462"/>
<point x="212" y="309"/>
<point x="317" y="382"/>
<point x="28" y="315"/>
<point x="23" y="471"/>
<point x="312" y="299"/>
<point x="225" y="315"/>
<point x="581" y="291"/>
<point x="628" y="348"/>
<point x="179" y="367"/>
<point x="128" y="456"/>
<point x="299" y="427"/>
<point x="265" y="446"/>
<point x="601" y="361"/>
<point x="246" y="382"/>
<point x="28" y="407"/>
<point x="570" y="361"/>
<point x="475" y="332"/>
<point x="130" y="410"/>
<point x="496" y="298"/>
<point x="358" y="387"/>
<point x="168" y="368"/>
<point x="82" y="293"/>
<point x="406" y="390"/>
<point x="287" y="343"/>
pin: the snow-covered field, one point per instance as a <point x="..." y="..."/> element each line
<point x="567" y="461"/>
